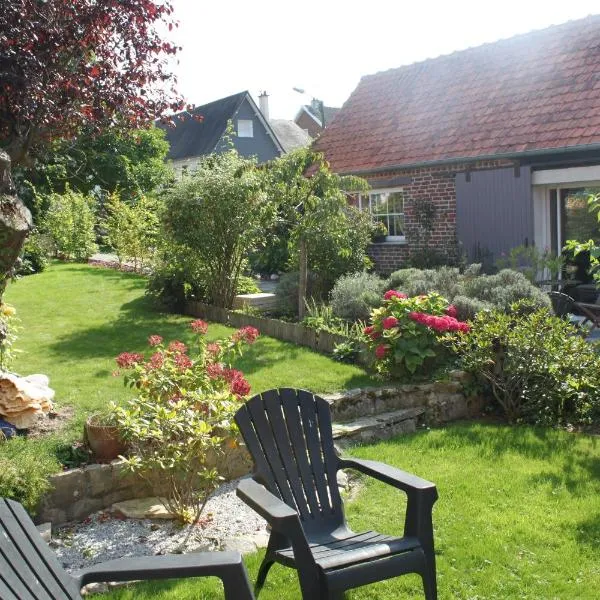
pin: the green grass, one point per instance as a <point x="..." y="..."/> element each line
<point x="518" y="518"/>
<point x="75" y="319"/>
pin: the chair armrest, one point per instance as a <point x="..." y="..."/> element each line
<point x="273" y="510"/>
<point x="399" y="479"/>
<point x="228" y="566"/>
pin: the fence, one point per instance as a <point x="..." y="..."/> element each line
<point x="320" y="341"/>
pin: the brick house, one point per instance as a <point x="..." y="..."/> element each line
<point x="493" y="143"/>
<point x="310" y="119"/>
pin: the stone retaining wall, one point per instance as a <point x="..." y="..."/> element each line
<point x="77" y="493"/>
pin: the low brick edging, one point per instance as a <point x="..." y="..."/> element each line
<point x="77" y="493"/>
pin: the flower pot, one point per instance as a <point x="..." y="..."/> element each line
<point x="378" y="239"/>
<point x="104" y="441"/>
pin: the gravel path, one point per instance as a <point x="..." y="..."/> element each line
<point x="229" y="524"/>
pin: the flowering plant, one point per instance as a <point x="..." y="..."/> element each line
<point x="183" y="412"/>
<point x="8" y="329"/>
<point x="405" y="332"/>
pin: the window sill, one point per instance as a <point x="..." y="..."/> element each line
<point x="390" y="243"/>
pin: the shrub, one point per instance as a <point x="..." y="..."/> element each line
<point x="247" y="285"/>
<point x="183" y="414"/>
<point x="8" y="330"/>
<point x="34" y="257"/>
<point x="532" y="262"/>
<point x="406" y="332"/>
<point x="24" y="472"/>
<point x="287" y="293"/>
<point x="70" y="222"/>
<point x="354" y="296"/>
<point x="538" y="368"/>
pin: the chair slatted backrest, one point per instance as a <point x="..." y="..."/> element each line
<point x="29" y="570"/>
<point x="288" y="433"/>
<point x="562" y="304"/>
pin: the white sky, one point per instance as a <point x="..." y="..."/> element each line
<point x="326" y="46"/>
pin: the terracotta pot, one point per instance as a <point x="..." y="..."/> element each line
<point x="104" y="441"/>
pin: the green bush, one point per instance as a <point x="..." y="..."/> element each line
<point x="287" y="293"/>
<point x="70" y="222"/>
<point x="34" y="257"/>
<point x="537" y="366"/>
<point x="24" y="472"/>
<point x="469" y="291"/>
<point x="247" y="285"/>
<point x="354" y="296"/>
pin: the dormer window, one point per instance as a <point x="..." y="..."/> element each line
<point x="245" y="128"/>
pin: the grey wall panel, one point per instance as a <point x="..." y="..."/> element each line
<point x="494" y="211"/>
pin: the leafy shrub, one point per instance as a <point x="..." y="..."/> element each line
<point x="24" y="472"/>
<point x="405" y="332"/>
<point x="34" y="257"/>
<point x="469" y="291"/>
<point x="70" y="222"/>
<point x="8" y="334"/>
<point x="247" y="285"/>
<point x="354" y="296"/>
<point x="538" y="368"/>
<point x="531" y="262"/>
<point x="183" y="414"/>
<point x="287" y="293"/>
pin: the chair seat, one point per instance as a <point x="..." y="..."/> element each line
<point x="352" y="549"/>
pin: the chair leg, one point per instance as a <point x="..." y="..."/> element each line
<point x="266" y="564"/>
<point x="429" y="583"/>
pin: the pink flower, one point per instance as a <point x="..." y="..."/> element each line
<point x="451" y="311"/>
<point x="389" y="322"/>
<point x="381" y="351"/>
<point x="126" y="360"/>
<point x="240" y="387"/>
<point x="178" y="347"/>
<point x="246" y="334"/>
<point x="213" y="349"/>
<point x="156" y="360"/>
<point x="199" y="326"/>
<point x="183" y="362"/>
<point x="215" y="370"/>
<point x="394" y="294"/>
<point x="155" y="340"/>
<point x="369" y="330"/>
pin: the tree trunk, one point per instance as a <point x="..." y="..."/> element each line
<point x="15" y="223"/>
<point x="303" y="279"/>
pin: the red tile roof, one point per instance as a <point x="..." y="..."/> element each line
<point x="540" y="90"/>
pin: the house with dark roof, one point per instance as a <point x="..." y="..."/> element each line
<point x="315" y="117"/>
<point x="497" y="140"/>
<point x="204" y="132"/>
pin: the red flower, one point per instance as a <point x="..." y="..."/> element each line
<point x="451" y="311"/>
<point x="246" y="334"/>
<point x="394" y="294"/>
<point x="381" y="351"/>
<point x="375" y="335"/>
<point x="214" y="370"/>
<point x="155" y="340"/>
<point x="156" y="360"/>
<point x="389" y="322"/>
<point x="183" y="362"/>
<point x="213" y="349"/>
<point x="240" y="387"/>
<point x="368" y="330"/>
<point x="199" y="326"/>
<point x="125" y="360"/>
<point x="178" y="347"/>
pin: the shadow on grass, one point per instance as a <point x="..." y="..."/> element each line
<point x="588" y="532"/>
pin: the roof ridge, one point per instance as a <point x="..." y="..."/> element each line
<point x="544" y="30"/>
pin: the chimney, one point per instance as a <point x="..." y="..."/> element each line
<point x="263" y="102"/>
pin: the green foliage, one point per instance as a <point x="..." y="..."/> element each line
<point x="355" y="295"/>
<point x="220" y="213"/>
<point x="286" y="293"/>
<point x="247" y="285"/>
<point x="24" y="472"/>
<point x="469" y="291"/>
<point x="70" y="223"/>
<point x="406" y="333"/>
<point x="532" y="262"/>
<point x="8" y="334"/>
<point x="379" y="231"/>
<point x="539" y="369"/>
<point x="34" y="257"/>
<point x="132" y="229"/>
<point x="345" y="352"/>
<point x="182" y="415"/>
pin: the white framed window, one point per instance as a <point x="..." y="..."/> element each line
<point x="245" y="128"/>
<point x="386" y="206"/>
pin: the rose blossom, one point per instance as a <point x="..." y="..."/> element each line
<point x="199" y="326"/>
<point x="381" y="351"/>
<point x="389" y="322"/>
<point x="155" y="340"/>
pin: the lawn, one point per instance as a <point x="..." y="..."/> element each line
<point x="518" y="518"/>
<point x="75" y="319"/>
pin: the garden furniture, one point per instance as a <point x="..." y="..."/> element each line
<point x="578" y="313"/>
<point x="29" y="570"/>
<point x="288" y="432"/>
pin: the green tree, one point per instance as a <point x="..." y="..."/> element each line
<point x="220" y="213"/>
<point x="327" y="236"/>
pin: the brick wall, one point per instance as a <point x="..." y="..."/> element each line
<point x="432" y="184"/>
<point x="304" y="121"/>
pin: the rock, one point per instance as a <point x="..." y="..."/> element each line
<point x="245" y="544"/>
<point x="24" y="399"/>
<point x="142" y="508"/>
<point x="45" y="530"/>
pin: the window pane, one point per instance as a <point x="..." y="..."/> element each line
<point x="396" y="202"/>
<point x="245" y="128"/>
<point x="396" y="225"/>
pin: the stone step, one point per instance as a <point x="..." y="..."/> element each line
<point x="377" y="427"/>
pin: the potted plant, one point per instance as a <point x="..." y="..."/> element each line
<point x="102" y="435"/>
<point x="379" y="232"/>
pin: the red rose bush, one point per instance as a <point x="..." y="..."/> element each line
<point x="406" y="332"/>
<point x="183" y="413"/>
